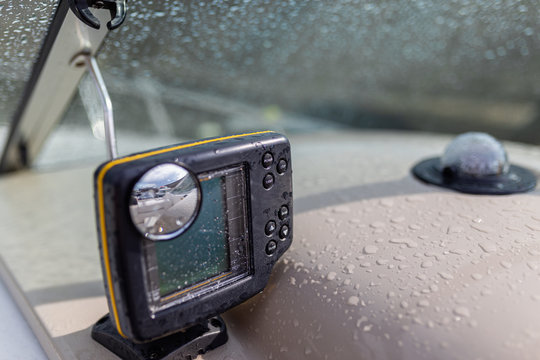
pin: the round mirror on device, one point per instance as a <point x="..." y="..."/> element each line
<point x="165" y="201"/>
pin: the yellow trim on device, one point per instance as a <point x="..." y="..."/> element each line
<point x="101" y="206"/>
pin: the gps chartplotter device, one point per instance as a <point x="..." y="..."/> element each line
<point x="191" y="230"/>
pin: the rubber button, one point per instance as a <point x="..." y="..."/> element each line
<point x="283" y="232"/>
<point x="267" y="160"/>
<point x="283" y="212"/>
<point x="268" y="181"/>
<point x="270" y="227"/>
<point x="271" y="247"/>
<point x="282" y="166"/>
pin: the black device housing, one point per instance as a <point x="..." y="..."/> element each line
<point x="121" y="244"/>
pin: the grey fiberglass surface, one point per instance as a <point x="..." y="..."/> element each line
<point x="382" y="266"/>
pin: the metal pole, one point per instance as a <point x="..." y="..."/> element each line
<point x="110" y="137"/>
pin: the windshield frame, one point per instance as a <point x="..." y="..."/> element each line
<point x="52" y="84"/>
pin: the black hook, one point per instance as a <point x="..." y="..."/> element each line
<point x="117" y="8"/>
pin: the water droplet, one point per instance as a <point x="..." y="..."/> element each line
<point x="445" y="275"/>
<point x="371" y="249"/>
<point x="331" y="275"/>
<point x="349" y="269"/>
<point x="506" y="264"/>
<point x="423" y="303"/>
<point x="533" y="227"/>
<point x="353" y="300"/>
<point x="399" y="241"/>
<point x="427" y="264"/>
<point x="454" y="229"/>
<point x="462" y="311"/>
<point x="412" y="244"/>
<point x="404" y="304"/>
<point x="488" y="247"/>
<point x="477" y="276"/>
<point x="359" y="322"/>
<point x="486" y="292"/>
<point x="458" y="251"/>
<point x="377" y="225"/>
<point x="482" y="228"/>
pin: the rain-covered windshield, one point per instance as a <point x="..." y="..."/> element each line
<point x="191" y="69"/>
<point x="24" y="25"/>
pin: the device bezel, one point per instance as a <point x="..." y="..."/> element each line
<point x="122" y="265"/>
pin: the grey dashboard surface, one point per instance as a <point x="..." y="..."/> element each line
<point x="382" y="266"/>
<point x="14" y="326"/>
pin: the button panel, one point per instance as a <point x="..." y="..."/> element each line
<point x="284" y="232"/>
<point x="277" y="227"/>
<point x="271" y="247"/>
<point x="268" y="181"/>
<point x="267" y="160"/>
<point x="270" y="228"/>
<point x="282" y="166"/>
<point x="283" y="212"/>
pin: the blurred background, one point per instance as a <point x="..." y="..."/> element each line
<point x="191" y="69"/>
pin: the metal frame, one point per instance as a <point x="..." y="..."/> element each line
<point x="51" y="86"/>
<point x="108" y="115"/>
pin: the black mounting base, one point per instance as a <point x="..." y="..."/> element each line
<point x="183" y="345"/>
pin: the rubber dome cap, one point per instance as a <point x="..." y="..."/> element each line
<point x="475" y="163"/>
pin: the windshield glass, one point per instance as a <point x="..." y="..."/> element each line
<point x="191" y="69"/>
<point x="24" y="26"/>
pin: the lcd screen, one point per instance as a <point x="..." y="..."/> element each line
<point x="202" y="251"/>
<point x="212" y="252"/>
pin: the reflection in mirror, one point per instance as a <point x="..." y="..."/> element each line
<point x="165" y="201"/>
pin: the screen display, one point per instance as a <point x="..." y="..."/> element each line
<point x="212" y="252"/>
<point x="202" y="251"/>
